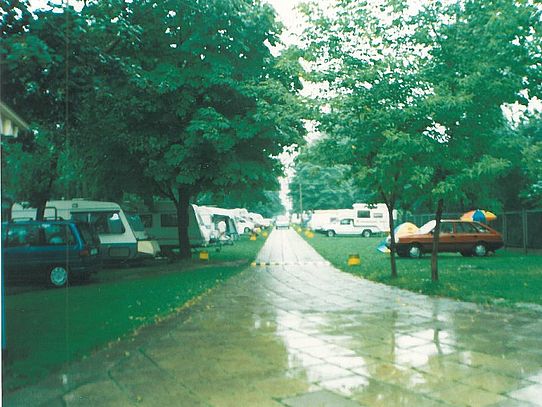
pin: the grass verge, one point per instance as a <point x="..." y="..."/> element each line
<point x="49" y="327"/>
<point x="507" y="277"/>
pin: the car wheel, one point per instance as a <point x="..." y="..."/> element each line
<point x="58" y="276"/>
<point x="330" y="233"/>
<point x="415" y="251"/>
<point x="366" y="233"/>
<point x="247" y="230"/>
<point x="480" y="250"/>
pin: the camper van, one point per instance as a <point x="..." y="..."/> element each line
<point x="161" y="224"/>
<point x="363" y="219"/>
<point x="117" y="239"/>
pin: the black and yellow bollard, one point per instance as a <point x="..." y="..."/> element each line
<point x="204" y="255"/>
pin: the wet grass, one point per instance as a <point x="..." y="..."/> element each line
<point x="46" y="328"/>
<point x="506" y="277"/>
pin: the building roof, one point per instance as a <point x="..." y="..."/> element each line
<point x="10" y="122"/>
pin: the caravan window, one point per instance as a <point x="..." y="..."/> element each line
<point x="147" y="220"/>
<point x="364" y="214"/>
<point x="106" y="223"/>
<point x="378" y="215"/>
<point x="168" y="220"/>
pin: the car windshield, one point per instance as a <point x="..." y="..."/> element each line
<point x="427" y="228"/>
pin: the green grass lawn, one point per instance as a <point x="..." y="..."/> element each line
<point x="506" y="277"/>
<point x="48" y="327"/>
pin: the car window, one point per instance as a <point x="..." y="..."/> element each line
<point x="479" y="228"/>
<point x="57" y="234"/>
<point x="346" y="221"/>
<point x="446" y="227"/>
<point x="23" y="235"/>
<point x="88" y="234"/>
<point x="464" y="227"/>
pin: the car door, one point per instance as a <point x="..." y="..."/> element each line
<point x="447" y="238"/>
<point x="57" y="246"/>
<point x="467" y="236"/>
<point x="20" y="258"/>
<point x="344" y="227"/>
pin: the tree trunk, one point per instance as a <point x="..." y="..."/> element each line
<point x="392" y="242"/>
<point x="436" y="236"/>
<point x="40" y="209"/>
<point x="182" y="206"/>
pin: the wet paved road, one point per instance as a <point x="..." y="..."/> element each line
<point x="301" y="333"/>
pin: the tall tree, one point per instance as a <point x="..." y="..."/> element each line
<point x="481" y="55"/>
<point x="374" y="120"/>
<point x="47" y="64"/>
<point x="200" y="103"/>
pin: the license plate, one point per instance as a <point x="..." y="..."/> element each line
<point x="93" y="252"/>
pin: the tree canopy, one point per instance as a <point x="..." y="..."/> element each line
<point x="168" y="98"/>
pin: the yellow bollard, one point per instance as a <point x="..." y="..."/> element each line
<point x="204" y="255"/>
<point x="310" y="235"/>
<point x="354" y="260"/>
<point x="264" y="233"/>
<point x="252" y="237"/>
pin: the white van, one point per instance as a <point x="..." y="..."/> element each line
<point x="117" y="239"/>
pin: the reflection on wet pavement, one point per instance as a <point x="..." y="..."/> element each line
<point x="300" y="333"/>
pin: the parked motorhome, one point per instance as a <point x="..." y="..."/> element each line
<point x="161" y="224"/>
<point x="366" y="220"/>
<point x="373" y="217"/>
<point x="117" y="238"/>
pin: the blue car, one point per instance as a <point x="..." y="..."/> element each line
<point x="53" y="251"/>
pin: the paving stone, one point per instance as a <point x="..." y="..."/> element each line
<point x="319" y="399"/>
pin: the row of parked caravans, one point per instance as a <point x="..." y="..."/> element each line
<point x="126" y="236"/>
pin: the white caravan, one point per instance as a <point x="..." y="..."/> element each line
<point x="258" y="220"/>
<point x="117" y="238"/>
<point x="212" y="217"/>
